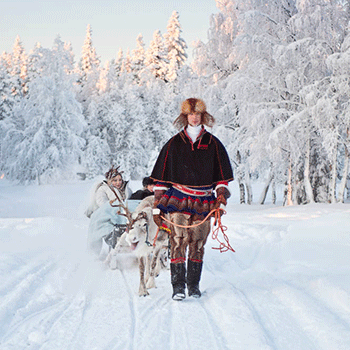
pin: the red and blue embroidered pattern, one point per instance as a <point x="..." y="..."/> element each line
<point x="175" y="200"/>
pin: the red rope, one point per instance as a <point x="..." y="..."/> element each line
<point x="223" y="247"/>
<point x="155" y="238"/>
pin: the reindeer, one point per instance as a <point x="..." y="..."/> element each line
<point x="145" y="241"/>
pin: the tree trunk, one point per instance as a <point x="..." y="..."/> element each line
<point x="248" y="185"/>
<point x="307" y="183"/>
<point x="333" y="177"/>
<point x="240" y="180"/>
<point x="273" y="191"/>
<point x="266" y="188"/>
<point x="241" y="192"/>
<point x="249" y="193"/>
<point x="344" y="178"/>
<point x="289" y="198"/>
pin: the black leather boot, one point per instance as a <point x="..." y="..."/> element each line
<point x="178" y="280"/>
<point x="194" y="271"/>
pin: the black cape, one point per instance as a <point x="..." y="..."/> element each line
<point x="204" y="163"/>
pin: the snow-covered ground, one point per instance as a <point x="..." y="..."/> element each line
<point x="287" y="286"/>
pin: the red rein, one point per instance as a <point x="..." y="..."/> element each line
<point x="223" y="246"/>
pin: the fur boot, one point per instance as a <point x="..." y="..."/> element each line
<point x="194" y="271"/>
<point x="178" y="280"/>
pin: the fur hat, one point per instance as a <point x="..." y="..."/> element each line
<point x="113" y="172"/>
<point x="193" y="105"/>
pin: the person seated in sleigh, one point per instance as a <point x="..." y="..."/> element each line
<point x="147" y="190"/>
<point x="106" y="225"/>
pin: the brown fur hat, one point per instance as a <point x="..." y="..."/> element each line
<point x="193" y="105"/>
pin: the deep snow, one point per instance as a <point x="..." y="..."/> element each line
<point x="287" y="286"/>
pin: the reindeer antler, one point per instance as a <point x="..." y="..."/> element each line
<point x="142" y="215"/>
<point x="127" y="213"/>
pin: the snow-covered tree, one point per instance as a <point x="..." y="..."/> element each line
<point x="97" y="154"/>
<point x="6" y="98"/>
<point x="7" y="103"/>
<point x="89" y="61"/>
<point x="48" y="145"/>
<point x="156" y="57"/>
<point x="302" y="66"/>
<point x="215" y="59"/>
<point x="104" y="82"/>
<point x="18" y="69"/>
<point x="127" y="64"/>
<point x="175" y="46"/>
<point x="118" y="66"/>
<point x="273" y="73"/>
<point x="88" y="71"/>
<point x="138" y="58"/>
<point x="322" y="20"/>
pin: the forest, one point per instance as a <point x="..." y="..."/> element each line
<point x="274" y="74"/>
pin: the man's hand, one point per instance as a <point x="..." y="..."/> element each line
<point x="220" y="203"/>
<point x="157" y="218"/>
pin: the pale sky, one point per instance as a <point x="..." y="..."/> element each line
<point x="115" y="24"/>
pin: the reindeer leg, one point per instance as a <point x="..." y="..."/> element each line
<point x="142" y="289"/>
<point x="151" y="283"/>
<point x="147" y="267"/>
<point x="111" y="259"/>
<point x="157" y="264"/>
<point x="164" y="257"/>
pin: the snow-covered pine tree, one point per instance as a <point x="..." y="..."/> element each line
<point x="135" y="154"/>
<point x="48" y="147"/>
<point x="69" y="58"/>
<point x="88" y="70"/>
<point x="119" y="63"/>
<point x="13" y="87"/>
<point x="5" y="61"/>
<point x="6" y="98"/>
<point x="97" y="157"/>
<point x="156" y="57"/>
<point x="104" y="81"/>
<point x="161" y="107"/>
<point x="7" y="103"/>
<point x="127" y="66"/>
<point x="18" y="69"/>
<point x="175" y="46"/>
<point x="138" y="58"/>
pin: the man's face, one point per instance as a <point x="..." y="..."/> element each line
<point x="194" y="119"/>
<point x="150" y="188"/>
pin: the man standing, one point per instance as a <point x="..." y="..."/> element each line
<point x="189" y="167"/>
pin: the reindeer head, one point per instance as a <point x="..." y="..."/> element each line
<point x="137" y="231"/>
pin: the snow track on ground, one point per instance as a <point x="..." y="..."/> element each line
<point x="287" y="287"/>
